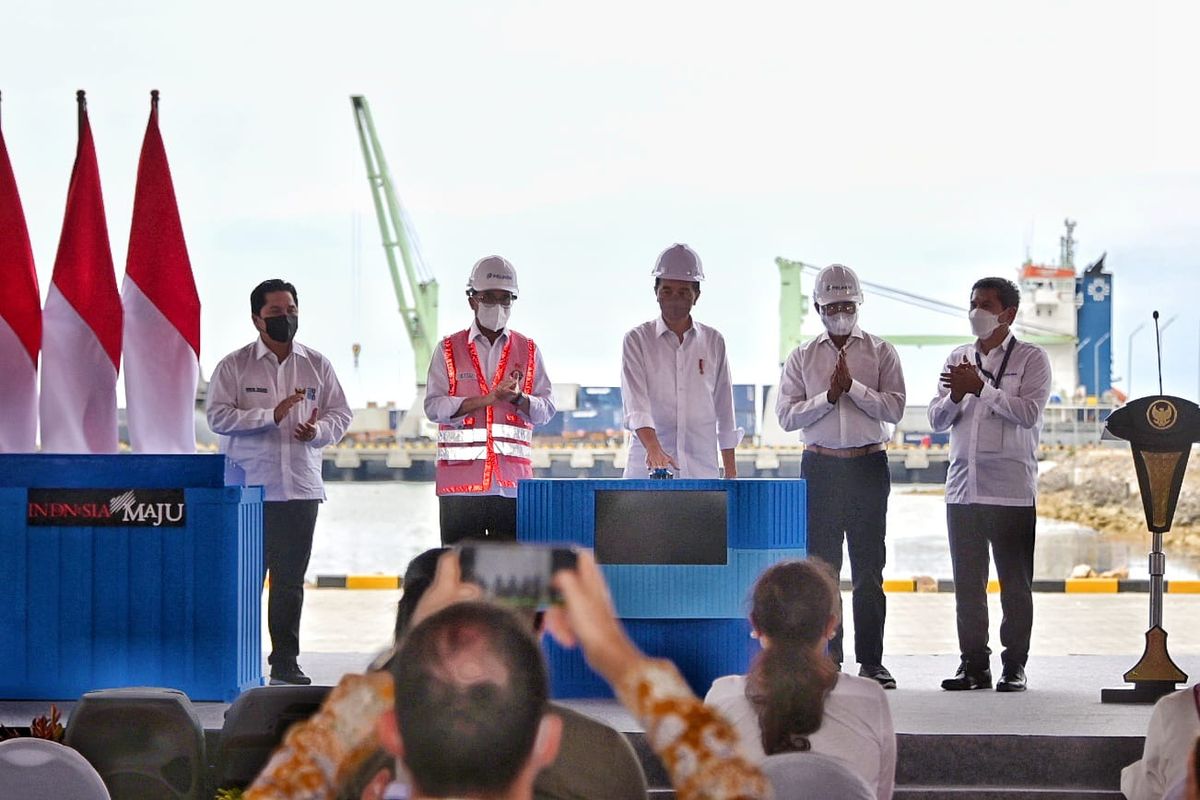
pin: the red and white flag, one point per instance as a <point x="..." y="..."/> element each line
<point x="81" y="325"/>
<point x="162" y="312"/>
<point x="20" y="320"/>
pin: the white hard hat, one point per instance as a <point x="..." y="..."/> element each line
<point x="493" y="272"/>
<point x="679" y="263"/>
<point x="837" y="284"/>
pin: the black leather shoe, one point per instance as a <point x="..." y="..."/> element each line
<point x="967" y="679"/>
<point x="879" y="674"/>
<point x="289" y="675"/>
<point x="1012" y="680"/>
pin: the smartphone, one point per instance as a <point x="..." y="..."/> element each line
<point x="516" y="574"/>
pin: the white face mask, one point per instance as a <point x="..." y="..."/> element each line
<point x="494" y="318"/>
<point x="983" y="323"/>
<point x="839" y="324"/>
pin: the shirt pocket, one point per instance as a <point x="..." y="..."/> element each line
<point x="990" y="438"/>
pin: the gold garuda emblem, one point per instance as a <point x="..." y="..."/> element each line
<point x="1161" y="415"/>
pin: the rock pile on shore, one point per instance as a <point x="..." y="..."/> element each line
<point x="1097" y="487"/>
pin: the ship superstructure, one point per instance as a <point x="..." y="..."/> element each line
<point x="1075" y="313"/>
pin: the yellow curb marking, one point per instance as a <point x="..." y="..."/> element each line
<point x="372" y="582"/>
<point x="1093" y="585"/>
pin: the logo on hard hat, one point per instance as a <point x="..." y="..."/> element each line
<point x="499" y="276"/>
<point x="1162" y="415"/>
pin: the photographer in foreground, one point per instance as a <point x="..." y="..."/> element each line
<point x="455" y="655"/>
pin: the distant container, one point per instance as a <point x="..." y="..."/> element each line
<point x="599" y="397"/>
<point x="745" y="409"/>
<point x="592" y="423"/>
<point x="552" y="428"/>
<point x="926" y="439"/>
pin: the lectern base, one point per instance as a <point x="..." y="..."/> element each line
<point x="1140" y="692"/>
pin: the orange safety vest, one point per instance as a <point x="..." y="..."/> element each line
<point x="492" y="444"/>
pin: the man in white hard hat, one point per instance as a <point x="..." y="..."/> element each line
<point x="842" y="390"/>
<point x="675" y="386"/>
<point x="487" y="389"/>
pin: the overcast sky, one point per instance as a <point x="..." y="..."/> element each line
<point x="925" y="144"/>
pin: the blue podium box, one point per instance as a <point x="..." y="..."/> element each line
<point x="691" y="613"/>
<point x="92" y="600"/>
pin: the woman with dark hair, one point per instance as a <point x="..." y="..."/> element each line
<point x="794" y="699"/>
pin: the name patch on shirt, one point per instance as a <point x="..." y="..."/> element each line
<point x="257" y="389"/>
<point x="466" y="376"/>
<point x="310" y="393"/>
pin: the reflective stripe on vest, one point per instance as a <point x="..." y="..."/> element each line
<point x="462" y="436"/>
<point x="453" y="454"/>
<point x="513" y="449"/>
<point x="502" y="431"/>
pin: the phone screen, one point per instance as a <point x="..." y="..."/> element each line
<point x="515" y="574"/>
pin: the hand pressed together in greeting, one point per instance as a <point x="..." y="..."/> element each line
<point x="962" y="379"/>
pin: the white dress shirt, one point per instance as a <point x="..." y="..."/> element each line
<point x="1173" y="729"/>
<point x="994" y="437"/>
<point x="242" y="395"/>
<point x="861" y="416"/>
<point x="442" y="407"/>
<point x="856" y="728"/>
<point x="682" y="390"/>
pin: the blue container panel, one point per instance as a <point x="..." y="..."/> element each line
<point x="762" y="514"/>
<point x="702" y="649"/>
<point x="743" y="397"/>
<point x="747" y="422"/>
<point x="685" y="591"/>
<point x="93" y="608"/>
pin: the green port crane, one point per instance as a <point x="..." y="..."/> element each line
<point x="417" y="292"/>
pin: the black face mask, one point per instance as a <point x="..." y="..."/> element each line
<point x="282" y="328"/>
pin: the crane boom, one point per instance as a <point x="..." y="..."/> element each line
<point x="417" y="292"/>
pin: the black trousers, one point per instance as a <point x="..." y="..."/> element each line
<point x="287" y="544"/>
<point x="488" y="517"/>
<point x="1010" y="530"/>
<point x="848" y="497"/>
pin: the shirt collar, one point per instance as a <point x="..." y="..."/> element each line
<point x="855" y="333"/>
<point x="660" y="327"/>
<point x="261" y="350"/>
<point x="1000" y="348"/>
<point x="474" y="333"/>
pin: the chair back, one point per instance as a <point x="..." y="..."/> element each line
<point x="38" y="769"/>
<point x="147" y="743"/>
<point x="814" y="776"/>
<point x="255" y="725"/>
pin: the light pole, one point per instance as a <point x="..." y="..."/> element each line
<point x="1129" y="363"/>
<point x="1162" y="328"/>
<point x="1079" y="349"/>
<point x="1096" y="362"/>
